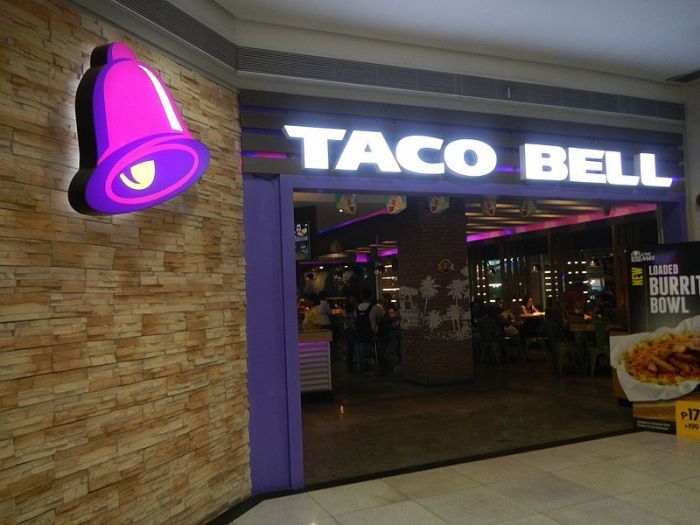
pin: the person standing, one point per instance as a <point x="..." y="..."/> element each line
<point x="367" y="328"/>
<point x="324" y="311"/>
<point x="349" y="318"/>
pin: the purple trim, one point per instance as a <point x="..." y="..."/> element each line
<point x="264" y="155"/>
<point x="272" y="442"/>
<point x="672" y="222"/>
<point x="324" y="262"/>
<point x="377" y="213"/>
<point x="291" y="336"/>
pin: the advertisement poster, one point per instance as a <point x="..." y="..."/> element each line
<point x="302" y="244"/>
<point x="660" y="359"/>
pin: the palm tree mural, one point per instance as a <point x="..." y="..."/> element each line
<point x="454" y="314"/>
<point x="434" y="320"/>
<point x="458" y="289"/>
<point x="428" y="289"/>
<point x="465" y="271"/>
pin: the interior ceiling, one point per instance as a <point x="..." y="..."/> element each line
<point x="507" y="210"/>
<point x="650" y="39"/>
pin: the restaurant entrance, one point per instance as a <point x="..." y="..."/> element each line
<point x="511" y="382"/>
<point x="544" y="200"/>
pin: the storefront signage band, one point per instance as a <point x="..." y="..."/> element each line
<point x="537" y="161"/>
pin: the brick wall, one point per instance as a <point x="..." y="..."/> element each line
<point x="434" y="351"/>
<point x="122" y="340"/>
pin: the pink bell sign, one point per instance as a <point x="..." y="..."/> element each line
<point x="135" y="150"/>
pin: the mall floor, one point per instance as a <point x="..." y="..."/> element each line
<point x="379" y="424"/>
<point x="633" y="479"/>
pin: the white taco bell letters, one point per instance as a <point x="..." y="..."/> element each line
<point x="468" y="158"/>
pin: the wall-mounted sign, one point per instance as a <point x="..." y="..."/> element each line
<point x="527" y="208"/>
<point x="346" y="203"/>
<point x="437" y="205"/>
<point x="488" y="206"/>
<point x="553" y="163"/>
<point x="661" y="357"/>
<point x="466" y="157"/>
<point x="135" y="150"/>
<point x="395" y="204"/>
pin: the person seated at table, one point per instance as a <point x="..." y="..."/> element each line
<point x="528" y="308"/>
<point x="531" y="318"/>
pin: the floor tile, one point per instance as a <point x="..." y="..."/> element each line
<point x="671" y="501"/>
<point x="289" y="510"/>
<point x="430" y="482"/>
<point x="606" y="512"/>
<point x="321" y="521"/>
<point x="498" y="469"/>
<point x="691" y="483"/>
<point x="358" y="496"/>
<point x="535" y="519"/>
<point x="609" y="478"/>
<point x="552" y="459"/>
<point x="404" y="513"/>
<point x="610" y="448"/>
<point x="664" y="465"/>
<point x="545" y="493"/>
<point x="475" y="506"/>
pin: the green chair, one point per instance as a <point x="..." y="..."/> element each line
<point x="560" y="346"/>
<point x="602" y="343"/>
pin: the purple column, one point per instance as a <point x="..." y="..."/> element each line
<point x="672" y="221"/>
<point x="276" y="461"/>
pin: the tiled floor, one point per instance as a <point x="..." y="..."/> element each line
<point x="632" y="479"/>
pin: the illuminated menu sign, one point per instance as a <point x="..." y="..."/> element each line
<point x="664" y="285"/>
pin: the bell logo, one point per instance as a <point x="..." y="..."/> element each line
<point x="135" y="150"/>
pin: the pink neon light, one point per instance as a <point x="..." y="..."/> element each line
<point x="265" y="155"/>
<point x="617" y="211"/>
<point x="361" y="258"/>
<point x="388" y="252"/>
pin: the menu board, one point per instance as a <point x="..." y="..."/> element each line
<point x="660" y="359"/>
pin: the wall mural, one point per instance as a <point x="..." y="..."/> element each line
<point x="451" y="323"/>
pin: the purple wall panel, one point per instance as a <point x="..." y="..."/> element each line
<point x="268" y="366"/>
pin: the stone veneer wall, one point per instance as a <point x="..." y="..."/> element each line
<point x="122" y="340"/>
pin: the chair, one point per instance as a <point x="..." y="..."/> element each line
<point x="491" y="339"/>
<point x="602" y="343"/>
<point x="560" y="346"/>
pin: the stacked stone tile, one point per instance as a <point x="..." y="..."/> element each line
<point x="122" y="339"/>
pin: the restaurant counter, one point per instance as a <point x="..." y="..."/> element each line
<point x="315" y="360"/>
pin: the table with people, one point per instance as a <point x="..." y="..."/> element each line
<point x="366" y="331"/>
<point x="581" y="339"/>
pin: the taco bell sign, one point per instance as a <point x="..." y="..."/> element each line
<point x="135" y="150"/>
